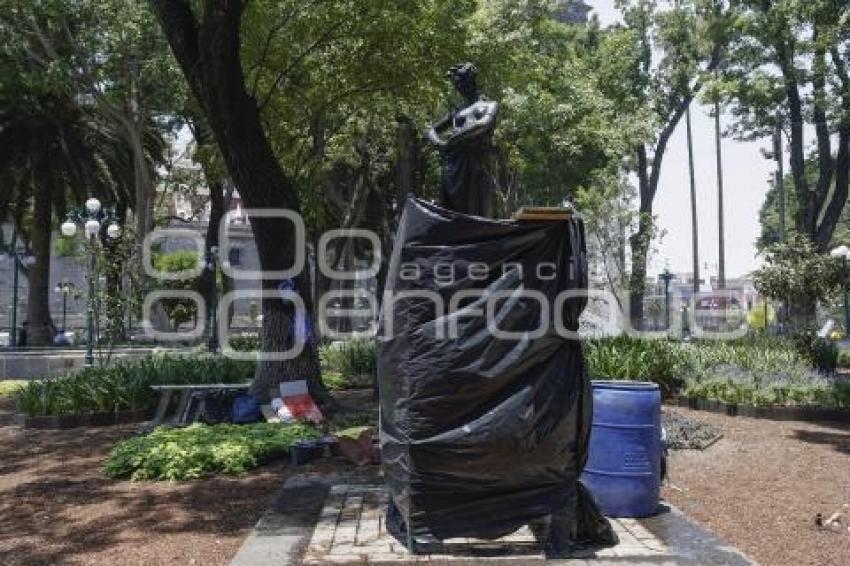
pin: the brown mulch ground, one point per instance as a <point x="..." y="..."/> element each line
<point x="57" y="506"/>
<point x="760" y="486"/>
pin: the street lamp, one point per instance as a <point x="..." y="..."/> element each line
<point x="66" y="288"/>
<point x="843" y="253"/>
<point x="20" y="258"/>
<point x="212" y="255"/>
<point x="91" y="226"/>
<point x="666" y="277"/>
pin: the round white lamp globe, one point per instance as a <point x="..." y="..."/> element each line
<point x="92" y="228"/>
<point x="840" y="252"/>
<point x="93" y="206"/>
<point x="113" y="231"/>
<point x="69" y="229"/>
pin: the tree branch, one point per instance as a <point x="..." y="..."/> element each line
<point x="181" y="30"/>
<point x="842" y="159"/>
<point x="326" y="36"/>
<point x="805" y="216"/>
<point x="825" y="166"/>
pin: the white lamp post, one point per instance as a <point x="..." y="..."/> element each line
<point x="91" y="228"/>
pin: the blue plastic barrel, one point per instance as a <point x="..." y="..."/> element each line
<point x="623" y="470"/>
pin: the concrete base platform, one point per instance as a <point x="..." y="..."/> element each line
<point x="340" y="520"/>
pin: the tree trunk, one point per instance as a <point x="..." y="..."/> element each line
<point x="209" y="55"/>
<point x="40" y="325"/>
<point x="207" y="280"/>
<point x="145" y="192"/>
<point x="639" y="242"/>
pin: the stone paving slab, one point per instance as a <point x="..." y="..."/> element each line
<point x="332" y="519"/>
<point x="352" y="530"/>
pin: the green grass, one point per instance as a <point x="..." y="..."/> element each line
<point x="198" y="451"/>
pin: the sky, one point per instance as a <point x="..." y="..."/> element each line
<point x="745" y="183"/>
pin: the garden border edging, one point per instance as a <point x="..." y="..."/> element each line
<point x="803" y="413"/>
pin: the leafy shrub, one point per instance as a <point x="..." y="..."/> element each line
<point x="735" y="392"/>
<point x="633" y="359"/>
<point x="198" y="450"/>
<point x="68" y="247"/>
<point x="760" y="369"/>
<point x="821" y="353"/>
<point x="125" y="385"/>
<point x="10" y="387"/>
<point x="843" y="360"/>
<point x="352" y="360"/>
<point x="762" y="359"/>
<point x="795" y="269"/>
<point x="245" y="342"/>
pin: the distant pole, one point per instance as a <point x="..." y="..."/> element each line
<point x="846" y="298"/>
<point x="89" y="359"/>
<point x="14" y="255"/>
<point x="721" y="269"/>
<point x="780" y="176"/>
<point x="64" y="309"/>
<point x="212" y="344"/>
<point x="666" y="277"/>
<point x="694" y="224"/>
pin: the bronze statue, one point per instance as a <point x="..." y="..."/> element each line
<point x="468" y="152"/>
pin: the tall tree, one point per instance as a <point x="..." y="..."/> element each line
<point x="207" y="48"/>
<point x="54" y="146"/>
<point x="673" y="49"/>
<point x="788" y="63"/>
<point x="561" y="133"/>
<point x="287" y="89"/>
<point x="107" y="61"/>
<point x="114" y="56"/>
<point x="788" y="68"/>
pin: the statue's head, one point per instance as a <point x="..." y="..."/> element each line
<point x="463" y="76"/>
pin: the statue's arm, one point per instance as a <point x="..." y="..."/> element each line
<point x="485" y="122"/>
<point x="491" y="112"/>
<point x="436" y="128"/>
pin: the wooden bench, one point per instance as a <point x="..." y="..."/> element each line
<point x="166" y="393"/>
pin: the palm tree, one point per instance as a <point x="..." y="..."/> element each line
<point x="54" y="152"/>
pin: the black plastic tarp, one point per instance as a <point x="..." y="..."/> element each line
<point x="482" y="434"/>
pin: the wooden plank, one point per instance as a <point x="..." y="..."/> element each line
<point x="199" y="387"/>
<point x="162" y="406"/>
<point x="179" y="416"/>
<point x="544" y="213"/>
